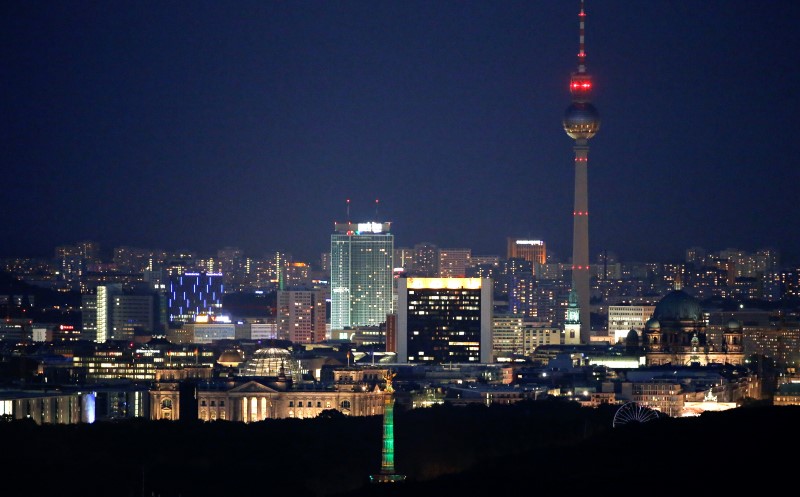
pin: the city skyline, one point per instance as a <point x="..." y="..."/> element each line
<point x="142" y="124"/>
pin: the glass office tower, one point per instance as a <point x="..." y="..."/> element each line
<point x="362" y="284"/>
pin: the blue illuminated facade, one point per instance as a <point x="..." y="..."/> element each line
<point x="193" y="294"/>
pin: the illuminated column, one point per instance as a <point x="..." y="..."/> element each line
<point x="387" y="474"/>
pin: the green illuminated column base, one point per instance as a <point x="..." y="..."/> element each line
<point x="386" y="478"/>
<point x="387" y="474"/>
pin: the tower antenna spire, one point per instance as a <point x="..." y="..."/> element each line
<point x="581" y="39"/>
<point x="376" y="209"/>
<point x="347" y="213"/>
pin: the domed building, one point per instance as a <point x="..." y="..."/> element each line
<point x="676" y="334"/>
<point x="273" y="362"/>
<point x="230" y="358"/>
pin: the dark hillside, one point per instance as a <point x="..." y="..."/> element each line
<point x="720" y="453"/>
<point x="529" y="447"/>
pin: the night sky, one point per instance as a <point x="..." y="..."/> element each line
<point x="199" y="125"/>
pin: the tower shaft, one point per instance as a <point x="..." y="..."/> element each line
<point x="581" y="275"/>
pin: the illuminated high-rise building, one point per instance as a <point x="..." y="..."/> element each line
<point x="131" y="313"/>
<point x="325" y="264"/>
<point x="403" y="260"/>
<point x="581" y="122"/>
<point x="89" y="317"/>
<point x="624" y="318"/>
<point x="73" y="259"/>
<point x="362" y="283"/>
<point x="113" y="314"/>
<point x="192" y="294"/>
<point x="507" y="337"/>
<point x="301" y="315"/>
<point x="426" y="260"/>
<point x="297" y="275"/>
<point x="231" y="262"/>
<point x="522" y="295"/>
<point x="444" y="320"/>
<point x="533" y="251"/>
<point x="453" y="262"/>
<point x="104" y="327"/>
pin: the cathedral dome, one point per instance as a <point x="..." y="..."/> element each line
<point x="677" y="305"/>
<point x="652" y="324"/>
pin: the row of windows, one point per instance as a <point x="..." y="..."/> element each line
<point x="345" y="404"/>
<point x="308" y="404"/>
<point x="442" y="315"/>
<point x="452" y="307"/>
<point x="213" y="416"/>
<point x="470" y="294"/>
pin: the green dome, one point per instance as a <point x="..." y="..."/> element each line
<point x="677" y="305"/>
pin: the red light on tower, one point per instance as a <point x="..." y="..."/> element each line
<point x="580" y="86"/>
<point x="581" y="122"/>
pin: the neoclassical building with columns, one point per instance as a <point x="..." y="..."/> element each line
<point x="354" y="392"/>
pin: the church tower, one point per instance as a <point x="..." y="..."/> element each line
<point x="572" y="325"/>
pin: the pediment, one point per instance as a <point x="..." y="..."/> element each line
<point x="252" y="387"/>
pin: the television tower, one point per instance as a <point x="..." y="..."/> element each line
<point x="581" y="122"/>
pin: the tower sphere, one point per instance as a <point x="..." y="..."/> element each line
<point x="581" y="120"/>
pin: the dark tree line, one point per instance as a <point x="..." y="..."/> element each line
<point x="534" y="446"/>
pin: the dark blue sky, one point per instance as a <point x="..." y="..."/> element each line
<point x="199" y="125"/>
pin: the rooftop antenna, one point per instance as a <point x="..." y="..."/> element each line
<point x="581" y="35"/>
<point x="348" y="210"/>
<point x="376" y="209"/>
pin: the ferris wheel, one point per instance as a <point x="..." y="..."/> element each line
<point x="631" y="412"/>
